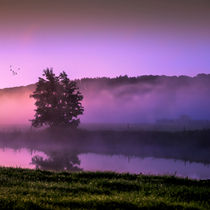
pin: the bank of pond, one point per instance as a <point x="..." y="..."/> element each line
<point x="38" y="189"/>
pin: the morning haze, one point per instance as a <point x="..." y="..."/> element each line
<point x="125" y="100"/>
<point x="104" y="104"/>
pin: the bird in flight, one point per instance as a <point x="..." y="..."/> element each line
<point x="13" y="71"/>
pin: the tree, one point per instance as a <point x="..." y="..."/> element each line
<point x="58" y="101"/>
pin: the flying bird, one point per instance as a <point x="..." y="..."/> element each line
<point x="13" y="71"/>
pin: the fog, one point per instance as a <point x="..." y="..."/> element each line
<point x="142" y="99"/>
<point x="145" y="99"/>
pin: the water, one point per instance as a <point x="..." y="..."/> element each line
<point x="149" y="165"/>
<point x="18" y="158"/>
<point x="57" y="160"/>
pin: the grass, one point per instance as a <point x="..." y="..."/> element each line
<point x="36" y="189"/>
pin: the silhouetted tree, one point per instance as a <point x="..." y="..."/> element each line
<point x="58" y="101"/>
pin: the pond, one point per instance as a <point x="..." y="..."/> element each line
<point x="59" y="160"/>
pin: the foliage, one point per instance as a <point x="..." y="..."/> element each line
<point x="35" y="189"/>
<point x="58" y="101"/>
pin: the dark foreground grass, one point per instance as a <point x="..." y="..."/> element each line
<point x="35" y="189"/>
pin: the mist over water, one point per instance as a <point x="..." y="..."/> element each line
<point x="72" y="150"/>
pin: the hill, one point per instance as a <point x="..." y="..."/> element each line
<point x="143" y="99"/>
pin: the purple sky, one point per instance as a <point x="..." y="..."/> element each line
<point x="92" y="38"/>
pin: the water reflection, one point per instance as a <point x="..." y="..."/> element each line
<point x="18" y="157"/>
<point x="68" y="160"/>
<point x="147" y="165"/>
<point x="57" y="160"/>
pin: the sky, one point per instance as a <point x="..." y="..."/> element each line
<point x="97" y="38"/>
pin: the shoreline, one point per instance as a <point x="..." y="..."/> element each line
<point x="27" y="189"/>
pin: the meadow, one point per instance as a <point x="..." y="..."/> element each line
<point x="27" y="189"/>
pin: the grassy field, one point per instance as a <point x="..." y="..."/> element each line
<point x="29" y="189"/>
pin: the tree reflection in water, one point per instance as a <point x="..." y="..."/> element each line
<point x="58" y="161"/>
